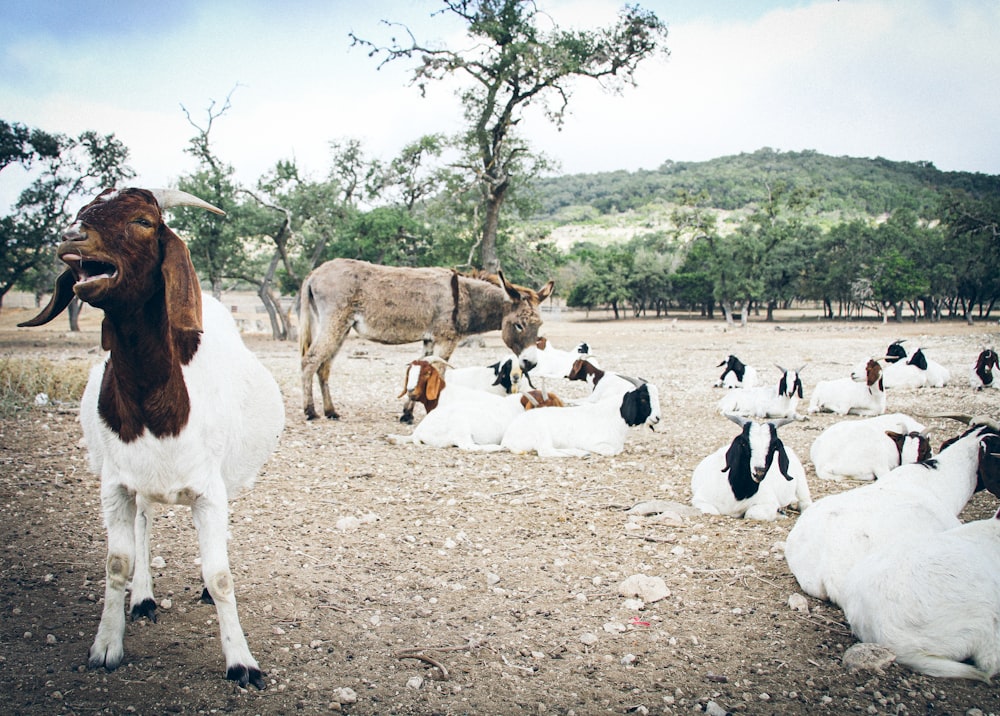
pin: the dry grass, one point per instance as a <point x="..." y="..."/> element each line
<point x="22" y="379"/>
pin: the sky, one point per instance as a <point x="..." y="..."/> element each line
<point x="908" y="80"/>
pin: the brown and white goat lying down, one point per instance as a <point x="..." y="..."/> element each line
<point x="180" y="412"/>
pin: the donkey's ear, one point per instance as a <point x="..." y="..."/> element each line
<point x="61" y="296"/>
<point x="546" y="291"/>
<point x="181" y="284"/>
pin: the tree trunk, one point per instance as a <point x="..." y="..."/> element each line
<point x="495" y="195"/>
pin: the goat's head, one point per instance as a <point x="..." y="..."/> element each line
<point x="423" y="384"/>
<point x="120" y="255"/>
<point x="912" y="447"/>
<point x="790" y="384"/>
<point x="751" y="454"/>
<point x="508" y="374"/>
<point x="522" y="319"/>
<point x="986" y="363"/>
<point x="872" y="373"/>
<point x="584" y="369"/>
<point x="895" y="352"/>
<point x="641" y="405"/>
<point x="735" y="365"/>
<point x="987" y="431"/>
<point x="918" y="359"/>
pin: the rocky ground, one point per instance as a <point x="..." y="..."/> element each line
<point x="383" y="579"/>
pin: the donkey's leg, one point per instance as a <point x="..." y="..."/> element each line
<point x="317" y="359"/>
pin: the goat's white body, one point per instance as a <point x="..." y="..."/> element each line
<point x="237" y="414"/>
<point x="469" y="422"/>
<point x="481" y="378"/>
<point x="713" y="495"/>
<point x="610" y="387"/>
<point x="934" y="601"/>
<point x="555" y="363"/>
<point x="577" y="430"/>
<point x="860" y="449"/>
<point x="761" y="402"/>
<point x="902" y="375"/>
<point x="911" y="501"/>
<point x="846" y="396"/>
<point x="731" y="381"/>
<point x="976" y="383"/>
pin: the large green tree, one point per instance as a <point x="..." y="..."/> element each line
<point x="65" y="169"/>
<point x="513" y="62"/>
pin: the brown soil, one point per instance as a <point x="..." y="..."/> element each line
<point x="499" y="567"/>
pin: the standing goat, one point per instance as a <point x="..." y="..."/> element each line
<point x="869" y="449"/>
<point x="766" y="401"/>
<point x="851" y="396"/>
<point x="743" y="479"/>
<point x="982" y="371"/>
<point x="913" y="500"/>
<point x="180" y="412"/>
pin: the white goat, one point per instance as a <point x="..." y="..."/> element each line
<point x="551" y="362"/>
<point x="912" y="500"/>
<point x="603" y="384"/>
<point x="933" y="601"/>
<point x="501" y="378"/>
<point x="742" y="479"/>
<point x="870" y="448"/>
<point x="982" y="375"/>
<point x="769" y="401"/>
<point x="913" y="371"/>
<point x="580" y="430"/>
<point x="474" y="422"/>
<point x="845" y="396"/>
<point x="737" y="374"/>
<point x="180" y="412"/>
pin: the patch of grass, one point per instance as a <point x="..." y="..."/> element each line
<point x="21" y="379"/>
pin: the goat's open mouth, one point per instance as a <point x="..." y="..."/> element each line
<point x="87" y="270"/>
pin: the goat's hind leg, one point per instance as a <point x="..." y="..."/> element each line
<point x="211" y="517"/>
<point x="119" y="516"/>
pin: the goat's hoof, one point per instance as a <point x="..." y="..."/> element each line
<point x="146" y="608"/>
<point x="206" y="597"/>
<point x="247" y="675"/>
<point x="406" y="418"/>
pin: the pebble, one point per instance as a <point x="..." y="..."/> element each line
<point x="868" y="656"/>
<point x="588" y="638"/>
<point x="798" y="603"/>
<point x="346" y="695"/>
<point x="649" y="589"/>
<point x="414" y="682"/>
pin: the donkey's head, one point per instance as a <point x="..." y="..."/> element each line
<point x="521" y="319"/>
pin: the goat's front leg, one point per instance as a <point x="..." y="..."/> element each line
<point x="119" y="515"/>
<point x="142" y="603"/>
<point x="211" y="518"/>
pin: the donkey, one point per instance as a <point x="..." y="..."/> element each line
<point x="393" y="305"/>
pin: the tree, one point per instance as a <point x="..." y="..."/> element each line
<point x="65" y="169"/>
<point x="514" y="62"/>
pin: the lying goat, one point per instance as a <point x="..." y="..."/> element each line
<point x="475" y="422"/>
<point x="744" y="480"/>
<point x="603" y="384"/>
<point x="180" y="412"/>
<point x="580" y="430"/>
<point x="933" y="601"/>
<point x="737" y="374"/>
<point x="779" y="401"/>
<point x="914" y="371"/>
<point x="982" y="371"/>
<point x="869" y="449"/>
<point x="551" y="362"/>
<point x="502" y="377"/>
<point x="845" y="396"/>
<point x="839" y="530"/>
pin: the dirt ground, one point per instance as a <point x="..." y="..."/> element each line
<point x="466" y="583"/>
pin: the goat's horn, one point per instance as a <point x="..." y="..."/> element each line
<point x="783" y="421"/>
<point x="780" y="368"/>
<point x="168" y="198"/>
<point x="968" y="419"/>
<point x="738" y="419"/>
<point x="531" y="399"/>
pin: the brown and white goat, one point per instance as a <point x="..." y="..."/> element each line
<point x="179" y="412"/>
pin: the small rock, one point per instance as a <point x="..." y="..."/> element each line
<point x="614" y="628"/>
<point x="873" y="657"/>
<point x="346" y="695"/>
<point x="798" y="603"/>
<point x="348" y="523"/>
<point x="166" y="603"/>
<point x="414" y="682"/>
<point x="158" y="563"/>
<point x="649" y="589"/>
<point x="713" y="709"/>
<point x="50" y="638"/>
<point x="588" y="638"/>
<point x="492" y="579"/>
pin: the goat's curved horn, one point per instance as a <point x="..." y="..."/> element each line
<point x="780" y="368"/>
<point x="738" y="419"/>
<point x="968" y="419"/>
<point x="531" y="399"/>
<point x="169" y="198"/>
<point x="637" y="382"/>
<point x="783" y="421"/>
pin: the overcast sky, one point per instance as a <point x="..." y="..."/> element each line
<point x="910" y="80"/>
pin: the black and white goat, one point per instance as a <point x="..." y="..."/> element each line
<point x="552" y="362"/>
<point x="914" y="500"/>
<point x="580" y="430"/>
<point x="744" y="479"/>
<point x="766" y="401"/>
<point x="737" y="374"/>
<point x="180" y="411"/>
<point x="501" y="378"/>
<point x="982" y="375"/>
<point x="855" y="395"/>
<point x="912" y="371"/>
<point x="933" y="601"/>
<point x="869" y="449"/>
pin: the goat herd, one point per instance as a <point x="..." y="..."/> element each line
<point x="181" y="412"/>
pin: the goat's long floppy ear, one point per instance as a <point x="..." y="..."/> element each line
<point x="435" y="384"/>
<point x="183" y="292"/>
<point x="62" y="294"/>
<point x="779" y="448"/>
